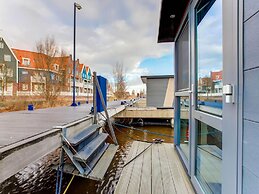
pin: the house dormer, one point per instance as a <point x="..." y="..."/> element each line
<point x="26" y="61"/>
<point x="56" y="67"/>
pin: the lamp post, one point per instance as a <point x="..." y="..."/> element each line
<point x="76" y="6"/>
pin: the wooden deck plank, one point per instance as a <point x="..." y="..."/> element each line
<point x="135" y="179"/>
<point x="126" y="172"/>
<point x="157" y="186"/>
<point x="183" y="173"/>
<point x="159" y="171"/>
<point x="146" y="178"/>
<point x="103" y="164"/>
<point x="167" y="176"/>
<point x="175" y="169"/>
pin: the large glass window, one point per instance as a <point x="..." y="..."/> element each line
<point x="184" y="125"/>
<point x="182" y="59"/>
<point x="209" y="97"/>
<point x="209" y="158"/>
<point x="209" y="56"/>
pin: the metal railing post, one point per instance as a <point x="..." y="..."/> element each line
<point x="94" y="98"/>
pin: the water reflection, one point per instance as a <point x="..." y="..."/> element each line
<point x="39" y="177"/>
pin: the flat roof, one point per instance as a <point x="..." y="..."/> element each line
<point x="171" y="14"/>
<point x="144" y="78"/>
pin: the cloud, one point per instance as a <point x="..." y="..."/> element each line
<point x="210" y="41"/>
<point x="108" y="31"/>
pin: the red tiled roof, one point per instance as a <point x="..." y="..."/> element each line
<point x="216" y="75"/>
<point x="25" y="54"/>
<point x="33" y="56"/>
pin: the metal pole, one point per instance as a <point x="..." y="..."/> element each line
<point x="94" y="98"/>
<point x="74" y="60"/>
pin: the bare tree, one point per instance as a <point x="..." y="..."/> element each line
<point x="120" y="81"/>
<point x="51" y="69"/>
<point x="5" y="78"/>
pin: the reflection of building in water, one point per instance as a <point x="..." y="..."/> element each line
<point x="212" y="84"/>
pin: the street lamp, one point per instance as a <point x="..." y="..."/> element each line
<point x="76" y="6"/>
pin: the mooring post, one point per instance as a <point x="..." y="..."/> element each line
<point x="94" y="97"/>
<point x="105" y="109"/>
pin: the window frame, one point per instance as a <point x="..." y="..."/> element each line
<point x="7" y="58"/>
<point x="26" y="59"/>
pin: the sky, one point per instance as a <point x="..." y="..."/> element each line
<point x="108" y="32"/>
<point x="209" y="32"/>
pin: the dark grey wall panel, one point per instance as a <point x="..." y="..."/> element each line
<point x="251" y="94"/>
<point x="251" y="147"/>
<point x="250" y="8"/>
<point x="156" y="91"/>
<point x="251" y="42"/>
<point x="250" y="182"/>
<point x="251" y="98"/>
<point x="9" y="64"/>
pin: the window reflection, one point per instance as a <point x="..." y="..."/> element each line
<point x="209" y="56"/>
<point x="209" y="86"/>
<point x="184" y="125"/>
<point x="209" y="158"/>
<point x="182" y="56"/>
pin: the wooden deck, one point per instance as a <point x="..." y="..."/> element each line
<point x="158" y="170"/>
<point x="19" y="125"/>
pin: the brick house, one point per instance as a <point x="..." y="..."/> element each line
<point x="33" y="74"/>
<point x="22" y="74"/>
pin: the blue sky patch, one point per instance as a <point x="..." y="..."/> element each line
<point x="159" y="66"/>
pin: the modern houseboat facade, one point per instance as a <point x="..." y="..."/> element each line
<point x="216" y="75"/>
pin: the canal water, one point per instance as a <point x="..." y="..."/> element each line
<point x="39" y="178"/>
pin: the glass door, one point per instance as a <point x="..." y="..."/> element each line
<point x="207" y="111"/>
<point x="182" y="94"/>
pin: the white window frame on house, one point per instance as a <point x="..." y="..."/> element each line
<point x="25" y="86"/>
<point x="1" y="45"/>
<point x="25" y="72"/>
<point x="9" y="72"/>
<point x="38" y="87"/>
<point x="26" y="61"/>
<point x="56" y="67"/>
<point x="7" y="58"/>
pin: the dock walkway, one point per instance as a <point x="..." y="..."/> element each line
<point x="19" y="125"/>
<point x="157" y="170"/>
<point x="26" y="136"/>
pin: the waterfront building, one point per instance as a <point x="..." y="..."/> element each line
<point x="24" y="73"/>
<point x="216" y="81"/>
<point x="159" y="90"/>
<point x="8" y="70"/>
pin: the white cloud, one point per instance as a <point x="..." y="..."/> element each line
<point x="107" y="31"/>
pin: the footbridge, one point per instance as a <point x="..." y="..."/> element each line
<point x="26" y="136"/>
